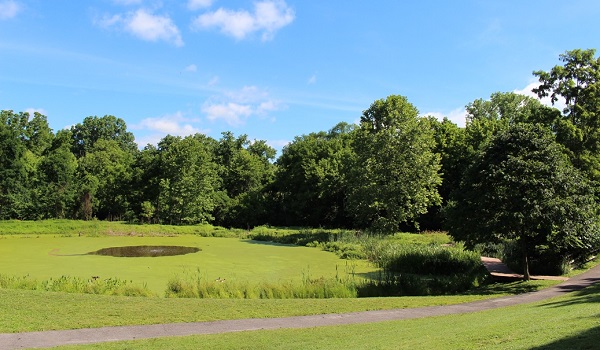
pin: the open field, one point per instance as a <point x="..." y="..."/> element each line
<point x="569" y="322"/>
<point x="56" y="252"/>
<point x="231" y="259"/>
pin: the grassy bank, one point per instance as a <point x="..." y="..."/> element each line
<point x="569" y="322"/>
<point x="37" y="310"/>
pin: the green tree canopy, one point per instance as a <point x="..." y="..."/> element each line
<point x="395" y="177"/>
<point x="92" y="129"/>
<point x="522" y="187"/>
<point x="311" y="178"/>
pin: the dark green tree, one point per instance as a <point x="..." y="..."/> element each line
<point x="450" y="144"/>
<point x="245" y="168"/>
<point x="58" y="181"/>
<point x="522" y="187"/>
<point x="395" y="176"/>
<point x="109" y="168"/>
<point x="23" y="141"/>
<point x="311" y="179"/>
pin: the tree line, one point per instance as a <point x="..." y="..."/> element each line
<point x="395" y="169"/>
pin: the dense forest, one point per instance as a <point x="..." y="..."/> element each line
<point x="396" y="169"/>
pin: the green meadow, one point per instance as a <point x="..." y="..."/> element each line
<point x="227" y="259"/>
<point x="569" y="322"/>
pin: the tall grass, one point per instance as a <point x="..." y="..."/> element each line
<point x="418" y="269"/>
<point x="198" y="286"/>
<point x="67" y="284"/>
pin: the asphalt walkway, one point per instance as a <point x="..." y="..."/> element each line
<point x="9" y="341"/>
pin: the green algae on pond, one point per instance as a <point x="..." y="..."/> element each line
<point x="145" y="251"/>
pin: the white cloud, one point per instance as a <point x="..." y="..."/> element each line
<point x="457" y="116"/>
<point x="153" y="28"/>
<point x="198" y="4"/>
<point x="9" y="9"/>
<point x="145" y="25"/>
<point x="235" y="107"/>
<point x="527" y="91"/>
<point x="268" y="17"/>
<point x="32" y="111"/>
<point x="233" y="114"/>
<point x="191" y="68"/>
<point x="312" y="79"/>
<point x="174" y="124"/>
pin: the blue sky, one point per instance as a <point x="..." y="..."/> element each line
<point x="273" y="69"/>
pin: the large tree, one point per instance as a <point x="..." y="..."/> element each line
<point x="576" y="83"/>
<point x="188" y="182"/>
<point x="245" y="168"/>
<point x="522" y="187"/>
<point x="395" y="177"/>
<point x="94" y="128"/>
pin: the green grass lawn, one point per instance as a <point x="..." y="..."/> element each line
<point x="232" y="259"/>
<point x="570" y="322"/>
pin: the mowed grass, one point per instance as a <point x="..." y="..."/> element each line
<point x="570" y="322"/>
<point x="232" y="259"/>
<point x="27" y="310"/>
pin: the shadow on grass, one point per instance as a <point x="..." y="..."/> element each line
<point x="588" y="295"/>
<point x="518" y="287"/>
<point x="275" y="244"/>
<point x="300" y="238"/>
<point x="584" y="340"/>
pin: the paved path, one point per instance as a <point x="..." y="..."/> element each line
<point x="9" y="341"/>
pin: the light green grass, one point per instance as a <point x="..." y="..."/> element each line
<point x="570" y="322"/>
<point x="46" y="256"/>
<point x="27" y="310"/>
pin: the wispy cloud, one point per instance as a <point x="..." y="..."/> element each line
<point x="198" y="4"/>
<point x="235" y="107"/>
<point x="278" y="144"/>
<point x="213" y="81"/>
<point x="268" y="17"/>
<point x="312" y="80"/>
<point x="9" y="9"/>
<point x="127" y="2"/>
<point x="191" y="68"/>
<point x="144" y="25"/>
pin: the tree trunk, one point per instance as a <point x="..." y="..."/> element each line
<point x="526" y="275"/>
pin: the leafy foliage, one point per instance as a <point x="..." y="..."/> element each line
<point x="522" y="187"/>
<point x="395" y="175"/>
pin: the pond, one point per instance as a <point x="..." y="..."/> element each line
<point x="145" y="251"/>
